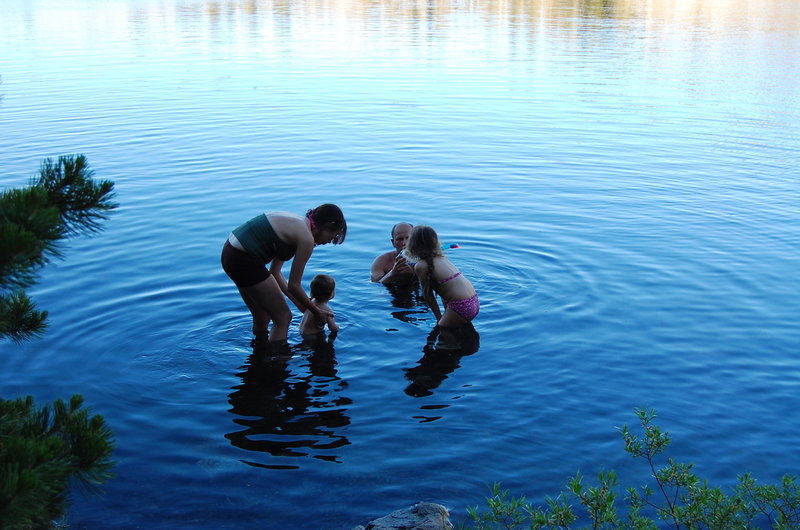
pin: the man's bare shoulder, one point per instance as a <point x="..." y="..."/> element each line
<point x="386" y="260"/>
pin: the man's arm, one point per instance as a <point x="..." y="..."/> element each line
<point x="393" y="268"/>
<point x="381" y="266"/>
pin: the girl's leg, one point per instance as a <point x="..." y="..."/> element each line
<point x="268" y="299"/>
<point x="449" y="325"/>
<point x="451" y="319"/>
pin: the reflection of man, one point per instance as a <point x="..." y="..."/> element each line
<point x="391" y="267"/>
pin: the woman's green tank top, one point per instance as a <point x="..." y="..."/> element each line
<point x="259" y="239"/>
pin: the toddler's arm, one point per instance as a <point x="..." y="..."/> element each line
<point x="332" y="325"/>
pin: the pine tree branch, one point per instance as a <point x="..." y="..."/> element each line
<point x="81" y="201"/>
<point x="62" y="201"/>
<point x="19" y="318"/>
<point x="30" y="230"/>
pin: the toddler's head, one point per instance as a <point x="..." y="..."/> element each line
<point x="423" y="243"/>
<point x="323" y="287"/>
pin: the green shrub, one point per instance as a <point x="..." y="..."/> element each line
<point x="677" y="499"/>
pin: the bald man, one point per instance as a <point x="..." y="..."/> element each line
<point x="391" y="267"/>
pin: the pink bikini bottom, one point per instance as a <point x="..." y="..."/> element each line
<point x="467" y="308"/>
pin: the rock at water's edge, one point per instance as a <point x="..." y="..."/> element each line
<point x="421" y="516"/>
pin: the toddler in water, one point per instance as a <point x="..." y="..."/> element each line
<point x="439" y="276"/>
<point x="323" y="289"/>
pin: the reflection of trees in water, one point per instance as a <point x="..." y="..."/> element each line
<point x="287" y="414"/>
<point x="437" y="364"/>
<point x="415" y="17"/>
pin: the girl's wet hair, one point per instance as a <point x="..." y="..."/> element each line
<point x="423" y="242"/>
<point x="330" y="216"/>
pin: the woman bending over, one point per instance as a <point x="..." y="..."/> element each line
<point x="255" y="252"/>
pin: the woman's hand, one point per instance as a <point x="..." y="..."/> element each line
<point x="323" y="314"/>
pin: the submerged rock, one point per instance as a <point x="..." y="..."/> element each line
<point x="421" y="516"/>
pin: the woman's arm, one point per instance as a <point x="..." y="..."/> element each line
<point x="295" y="290"/>
<point x="276" y="269"/>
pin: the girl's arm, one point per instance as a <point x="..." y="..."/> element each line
<point x="421" y="270"/>
<point x="430" y="298"/>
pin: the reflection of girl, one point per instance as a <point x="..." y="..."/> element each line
<point x="435" y="366"/>
<point x="439" y="275"/>
<point x="274" y="238"/>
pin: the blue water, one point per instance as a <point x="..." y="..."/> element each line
<point x="621" y="178"/>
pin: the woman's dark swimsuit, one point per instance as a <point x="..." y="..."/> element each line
<point x="262" y="245"/>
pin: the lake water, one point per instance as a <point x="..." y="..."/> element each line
<point x="621" y="177"/>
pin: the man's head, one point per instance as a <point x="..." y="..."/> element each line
<point x="400" y="233"/>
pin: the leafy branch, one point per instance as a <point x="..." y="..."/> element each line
<point x="680" y="499"/>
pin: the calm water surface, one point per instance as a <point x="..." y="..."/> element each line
<point x="621" y="177"/>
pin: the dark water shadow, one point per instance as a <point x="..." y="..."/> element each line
<point x="290" y="405"/>
<point x="437" y="364"/>
<point x="407" y="298"/>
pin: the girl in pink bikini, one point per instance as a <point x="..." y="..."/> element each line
<point x="439" y="275"/>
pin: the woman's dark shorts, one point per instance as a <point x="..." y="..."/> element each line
<point x="245" y="270"/>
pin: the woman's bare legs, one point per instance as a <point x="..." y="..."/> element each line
<point x="260" y="317"/>
<point x="266" y="302"/>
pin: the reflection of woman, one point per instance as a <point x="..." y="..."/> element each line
<point x="288" y="414"/>
<point x="272" y="239"/>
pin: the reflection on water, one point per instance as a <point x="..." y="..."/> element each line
<point x="439" y="359"/>
<point x="408" y="298"/>
<point x="437" y="364"/>
<point x="224" y="15"/>
<point x="292" y="405"/>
